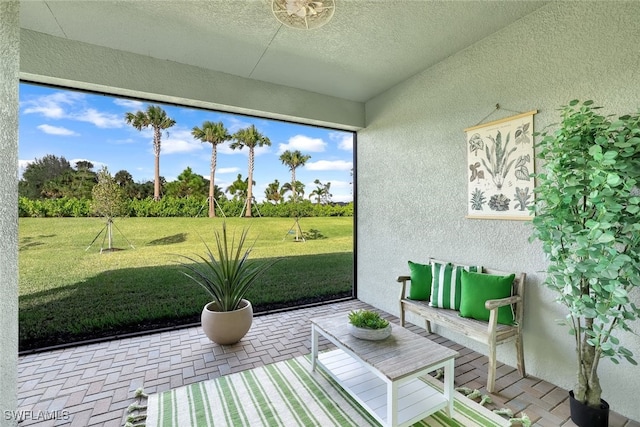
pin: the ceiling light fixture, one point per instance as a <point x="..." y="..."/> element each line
<point x="303" y="14"/>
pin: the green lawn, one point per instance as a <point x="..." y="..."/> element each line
<point x="68" y="293"/>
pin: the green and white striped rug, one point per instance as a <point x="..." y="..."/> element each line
<point x="284" y="394"/>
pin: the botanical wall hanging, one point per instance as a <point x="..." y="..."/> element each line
<point x="499" y="166"/>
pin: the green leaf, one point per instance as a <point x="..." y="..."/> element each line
<point x="613" y="179"/>
<point x="606" y="238"/>
<point x="633" y="209"/>
<point x="595" y="150"/>
<point x="625" y="352"/>
<point x="602" y="307"/>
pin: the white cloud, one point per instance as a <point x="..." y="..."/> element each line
<point x="304" y="144"/>
<point x="70" y="105"/>
<point x="346" y="198"/>
<point x="99" y="119"/>
<point x="227" y="170"/>
<point x="329" y="165"/>
<point x="225" y="149"/>
<point x="234" y="124"/>
<point x="346" y="144"/>
<point x="344" y="140"/>
<point x="128" y="103"/>
<point x="179" y="141"/>
<point x="22" y="165"/>
<point x="173" y="145"/>
<point x="339" y="185"/>
<point x="52" y="106"/>
<point x="55" y="130"/>
<point x="258" y="151"/>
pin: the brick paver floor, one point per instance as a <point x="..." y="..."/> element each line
<point x="92" y="385"/>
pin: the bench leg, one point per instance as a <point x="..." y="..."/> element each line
<point x="520" y="356"/>
<point x="491" y="370"/>
<point x="401" y="315"/>
<point x="427" y="326"/>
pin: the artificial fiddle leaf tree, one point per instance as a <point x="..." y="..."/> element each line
<point x="587" y="216"/>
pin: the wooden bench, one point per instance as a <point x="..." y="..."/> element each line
<point x="490" y="333"/>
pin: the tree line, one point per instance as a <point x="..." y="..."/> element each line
<point x="53" y="177"/>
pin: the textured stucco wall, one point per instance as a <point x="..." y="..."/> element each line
<point x="54" y="60"/>
<point x="9" y="63"/>
<point x="411" y="165"/>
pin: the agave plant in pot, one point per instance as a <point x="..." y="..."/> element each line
<point x="587" y="217"/>
<point x="227" y="275"/>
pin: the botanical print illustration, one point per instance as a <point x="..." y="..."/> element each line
<point x="499" y="166"/>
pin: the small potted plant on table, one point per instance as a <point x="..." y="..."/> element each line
<point x="368" y="325"/>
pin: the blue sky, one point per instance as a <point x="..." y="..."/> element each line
<point x="84" y="126"/>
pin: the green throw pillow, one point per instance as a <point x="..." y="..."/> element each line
<point x="477" y="288"/>
<point x="445" y="287"/>
<point x="420" y="288"/>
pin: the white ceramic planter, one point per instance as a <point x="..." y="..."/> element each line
<point x="369" y="334"/>
<point x="227" y="327"/>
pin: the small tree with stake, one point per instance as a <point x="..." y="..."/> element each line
<point x="587" y="216"/>
<point x="109" y="201"/>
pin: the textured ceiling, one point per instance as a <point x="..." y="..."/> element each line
<point x="368" y="46"/>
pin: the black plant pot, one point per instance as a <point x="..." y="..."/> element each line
<point x="586" y="416"/>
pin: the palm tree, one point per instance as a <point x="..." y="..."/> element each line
<point x="218" y="193"/>
<point x="297" y="189"/>
<point x="293" y="159"/>
<point x="251" y="138"/>
<point x="157" y="118"/>
<point x="321" y="192"/>
<point x="274" y="193"/>
<point x="317" y="192"/>
<point x="214" y="134"/>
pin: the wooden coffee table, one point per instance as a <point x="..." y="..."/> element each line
<point x="383" y="376"/>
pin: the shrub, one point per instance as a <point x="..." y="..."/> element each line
<point x="170" y="206"/>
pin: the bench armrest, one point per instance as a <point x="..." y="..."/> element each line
<point x="496" y="303"/>
<point x="403" y="291"/>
